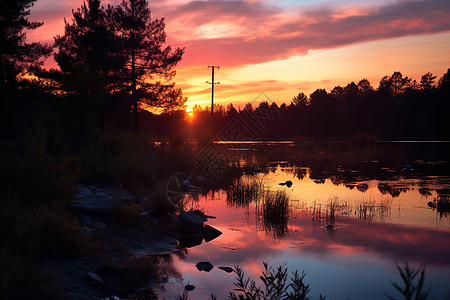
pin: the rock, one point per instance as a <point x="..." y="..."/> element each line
<point x="407" y="167"/>
<point x="94" y="277"/>
<point x="227" y="269"/>
<point x="91" y="203"/>
<point x="210" y="233"/>
<point x="329" y="227"/>
<point x="144" y="214"/>
<point x="86" y="230"/>
<point x="189" y="287"/>
<point x="287" y="183"/>
<point x="190" y="241"/>
<point x="430" y="204"/>
<point x="100" y="225"/>
<point x="200" y="214"/>
<point x="85" y="220"/>
<point x="190" y="223"/>
<point x="173" y="218"/>
<point x="204" y="266"/>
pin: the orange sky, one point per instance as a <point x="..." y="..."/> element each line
<point x="283" y="47"/>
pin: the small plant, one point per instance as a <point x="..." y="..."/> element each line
<point x="275" y="285"/>
<point x="413" y="280"/>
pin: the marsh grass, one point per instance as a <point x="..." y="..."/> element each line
<point x="271" y="208"/>
<point x="368" y="210"/>
<point x="244" y="191"/>
<point x="374" y="211"/>
<point x="276" y="210"/>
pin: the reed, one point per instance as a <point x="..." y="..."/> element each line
<point x="276" y="211"/>
<point x="244" y="191"/>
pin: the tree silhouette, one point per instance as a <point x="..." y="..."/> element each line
<point x="337" y="93"/>
<point x="89" y="54"/>
<point x="444" y="81"/>
<point x="364" y="87"/>
<point x="351" y="91"/>
<point x="147" y="61"/>
<point x="16" y="55"/>
<point x="301" y="100"/>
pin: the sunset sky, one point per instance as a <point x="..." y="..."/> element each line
<point x="283" y="47"/>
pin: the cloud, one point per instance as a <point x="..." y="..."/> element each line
<point x="263" y="33"/>
<point x="242" y="32"/>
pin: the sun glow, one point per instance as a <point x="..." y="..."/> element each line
<point x="189" y="113"/>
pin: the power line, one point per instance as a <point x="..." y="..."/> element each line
<point x="212" y="88"/>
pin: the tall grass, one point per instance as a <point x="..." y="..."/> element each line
<point x="276" y="211"/>
<point x="244" y="191"/>
<point x="368" y="210"/>
<point x="272" y="208"/>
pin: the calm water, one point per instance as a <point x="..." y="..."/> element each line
<point x="378" y="224"/>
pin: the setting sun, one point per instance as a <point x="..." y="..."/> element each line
<point x="189" y="113"/>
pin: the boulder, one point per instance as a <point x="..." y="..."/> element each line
<point x="210" y="233"/>
<point x="227" y="269"/>
<point x="190" y="223"/>
<point x="94" y="204"/>
<point x="204" y="266"/>
<point x="189" y="287"/>
<point x="86" y="230"/>
<point x="189" y="241"/>
<point x="94" y="277"/>
<point x="100" y="225"/>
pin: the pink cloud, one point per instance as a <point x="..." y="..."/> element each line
<point x="269" y="38"/>
<point x="260" y="32"/>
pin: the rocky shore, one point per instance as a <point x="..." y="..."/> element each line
<point x="124" y="261"/>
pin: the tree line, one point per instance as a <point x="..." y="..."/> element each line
<point x="400" y="107"/>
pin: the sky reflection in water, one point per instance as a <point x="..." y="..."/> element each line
<point x="356" y="260"/>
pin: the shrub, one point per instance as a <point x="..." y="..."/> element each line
<point x="30" y="171"/>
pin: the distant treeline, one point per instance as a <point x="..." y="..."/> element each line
<point x="399" y="107"/>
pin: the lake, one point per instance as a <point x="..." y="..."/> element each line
<point x="351" y="218"/>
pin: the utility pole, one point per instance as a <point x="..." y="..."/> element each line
<point x="212" y="88"/>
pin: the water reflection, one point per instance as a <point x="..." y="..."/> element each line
<point x="376" y="223"/>
<point x="270" y="209"/>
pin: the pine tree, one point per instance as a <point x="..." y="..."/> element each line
<point x="89" y="54"/>
<point x="148" y="62"/>
<point x="16" y="55"/>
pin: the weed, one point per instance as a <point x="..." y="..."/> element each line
<point x="275" y="283"/>
<point x="413" y="281"/>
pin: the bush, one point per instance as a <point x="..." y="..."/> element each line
<point x="28" y="170"/>
<point x="38" y="230"/>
